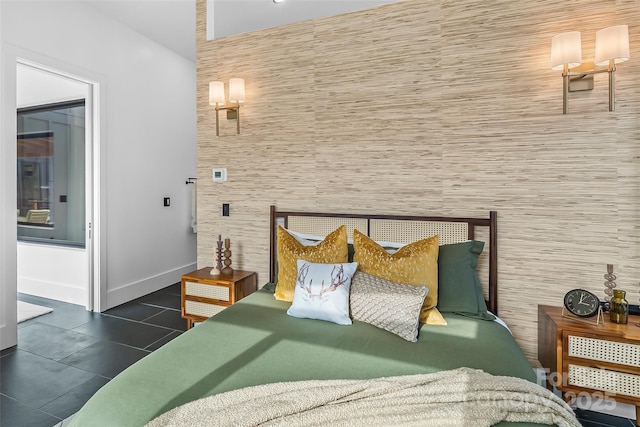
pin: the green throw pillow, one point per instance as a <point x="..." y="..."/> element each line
<point x="459" y="287"/>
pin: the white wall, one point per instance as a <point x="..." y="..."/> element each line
<point x="148" y="135"/>
<point x="54" y="272"/>
<point x="38" y="87"/>
<point x="8" y="327"/>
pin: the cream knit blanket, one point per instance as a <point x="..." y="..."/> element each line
<point x="460" y="397"/>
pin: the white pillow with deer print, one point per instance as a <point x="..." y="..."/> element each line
<point x="322" y="292"/>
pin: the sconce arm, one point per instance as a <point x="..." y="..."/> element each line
<point x="230" y="109"/>
<point x="586" y="73"/>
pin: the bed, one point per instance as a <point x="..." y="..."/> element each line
<point x="254" y="343"/>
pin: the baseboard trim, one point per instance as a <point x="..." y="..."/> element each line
<point x="52" y="290"/>
<point x="146" y="286"/>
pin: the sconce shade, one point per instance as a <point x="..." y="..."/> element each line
<point x="236" y="90"/>
<point x="612" y="43"/>
<point x="216" y="94"/>
<point x="236" y="96"/>
<point x="566" y="48"/>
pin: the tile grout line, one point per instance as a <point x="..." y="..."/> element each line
<point x="141" y="321"/>
<point x="159" y="306"/>
<point x="158" y="340"/>
<point x="33" y="407"/>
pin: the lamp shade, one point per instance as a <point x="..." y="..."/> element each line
<point x="612" y="43"/>
<point x="216" y="94"/>
<point x="236" y="90"/>
<point x="566" y="48"/>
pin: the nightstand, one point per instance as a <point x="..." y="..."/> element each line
<point x="204" y="295"/>
<point x="581" y="359"/>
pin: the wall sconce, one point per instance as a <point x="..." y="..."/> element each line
<point x="612" y="47"/>
<point x="236" y="96"/>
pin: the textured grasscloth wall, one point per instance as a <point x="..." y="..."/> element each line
<point x="434" y="107"/>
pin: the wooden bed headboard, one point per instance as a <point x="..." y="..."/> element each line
<point x="400" y="229"/>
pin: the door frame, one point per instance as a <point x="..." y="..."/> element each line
<point x="94" y="159"/>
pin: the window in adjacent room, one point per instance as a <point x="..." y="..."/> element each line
<point x="51" y="173"/>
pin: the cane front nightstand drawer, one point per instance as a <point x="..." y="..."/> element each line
<point x="219" y="292"/>
<point x="600" y="363"/>
<point x="201" y="309"/>
<point x="204" y="295"/>
<point x="600" y="360"/>
<point x="603" y="350"/>
<point x="603" y="379"/>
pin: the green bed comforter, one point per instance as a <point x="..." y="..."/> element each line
<point x="255" y="342"/>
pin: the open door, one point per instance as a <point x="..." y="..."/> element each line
<point x="54" y="185"/>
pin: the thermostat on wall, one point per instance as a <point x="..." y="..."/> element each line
<point x="219" y="174"/>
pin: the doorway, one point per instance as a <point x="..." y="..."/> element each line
<point x="55" y="179"/>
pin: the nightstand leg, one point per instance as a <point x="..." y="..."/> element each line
<point x="189" y="324"/>
<point x="638" y="415"/>
<point x="549" y="385"/>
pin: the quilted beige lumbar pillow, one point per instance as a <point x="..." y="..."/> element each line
<point x="391" y="306"/>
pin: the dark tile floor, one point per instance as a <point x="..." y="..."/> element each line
<point x="598" y="419"/>
<point x="64" y="357"/>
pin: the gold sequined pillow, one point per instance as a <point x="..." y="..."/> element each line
<point x="413" y="264"/>
<point x="332" y="250"/>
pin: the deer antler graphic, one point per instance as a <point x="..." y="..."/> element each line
<point x="338" y="278"/>
<point x="302" y="276"/>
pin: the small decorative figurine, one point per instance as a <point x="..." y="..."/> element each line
<point x="610" y="282"/>
<point x="227" y="258"/>
<point x="217" y="258"/>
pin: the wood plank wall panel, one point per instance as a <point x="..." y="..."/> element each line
<point x="441" y="107"/>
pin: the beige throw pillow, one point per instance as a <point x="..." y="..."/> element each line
<point x="391" y="306"/>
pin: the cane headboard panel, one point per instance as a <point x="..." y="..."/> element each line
<point x="400" y="229"/>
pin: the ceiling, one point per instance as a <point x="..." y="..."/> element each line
<point x="171" y="23"/>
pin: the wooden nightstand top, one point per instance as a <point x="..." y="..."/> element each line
<point x="204" y="274"/>
<point x="629" y="331"/>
